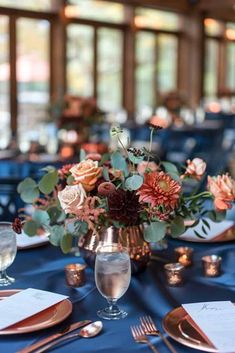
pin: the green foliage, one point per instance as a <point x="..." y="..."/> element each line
<point x="105" y="173"/>
<point x="82" y="155"/>
<point x="66" y="243"/>
<point x="41" y="217"/>
<point x="28" y="190"/>
<point x="171" y="169"/>
<point x="134" y="182"/>
<point x="56" y="234"/>
<point x="155" y="231"/>
<point x="30" y="228"/>
<point x="48" y="182"/>
<point x="119" y="162"/>
<point x="216" y="216"/>
<point x="177" y="227"/>
<point x="135" y="159"/>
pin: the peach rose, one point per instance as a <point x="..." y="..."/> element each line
<point x="223" y="189"/>
<point x="141" y="168"/>
<point x="86" y="172"/>
<point x="72" y="198"/>
<point x="195" y="168"/>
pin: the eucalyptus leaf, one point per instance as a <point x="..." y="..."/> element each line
<point x="119" y="162"/>
<point x="30" y="195"/>
<point x="41" y="217"/>
<point x="70" y="180"/>
<point x="56" y="234"/>
<point x="81" y="227"/>
<point x="134" y="182"/>
<point x="66" y="243"/>
<point x="177" y="226"/>
<point x="30" y="228"/>
<point x="26" y="184"/>
<point x="135" y="159"/>
<point x="171" y="169"/>
<point x="48" y="182"/>
<point x="155" y="231"/>
<point x="56" y="215"/>
<point x="48" y="169"/>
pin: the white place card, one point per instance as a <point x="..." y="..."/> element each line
<point x="217" y="321"/>
<point x="215" y="230"/>
<point x="24" y="241"/>
<point x="26" y="303"/>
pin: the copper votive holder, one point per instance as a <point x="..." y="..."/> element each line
<point x="75" y="275"/>
<point x="211" y="265"/>
<point x="174" y="273"/>
<point x="184" y="255"/>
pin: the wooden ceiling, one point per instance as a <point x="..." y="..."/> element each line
<point x="222" y="9"/>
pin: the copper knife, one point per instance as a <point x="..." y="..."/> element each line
<point x="51" y="338"/>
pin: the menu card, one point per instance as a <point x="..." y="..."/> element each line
<point x="26" y="303"/>
<point x="217" y="322"/>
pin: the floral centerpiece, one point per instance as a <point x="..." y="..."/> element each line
<point x="122" y="188"/>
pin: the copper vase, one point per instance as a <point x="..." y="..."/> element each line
<point x="130" y="237"/>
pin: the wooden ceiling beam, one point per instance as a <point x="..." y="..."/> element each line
<point x="174" y="5"/>
<point x="205" y="5"/>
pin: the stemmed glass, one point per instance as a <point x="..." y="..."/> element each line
<point x="112" y="277"/>
<point x="8" y="250"/>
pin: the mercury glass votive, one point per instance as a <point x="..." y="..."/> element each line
<point x="174" y="273"/>
<point x="75" y="275"/>
<point x="184" y="255"/>
<point x="211" y="265"/>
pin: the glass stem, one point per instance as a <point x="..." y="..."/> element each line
<point x="112" y="305"/>
<point x="3" y="274"/>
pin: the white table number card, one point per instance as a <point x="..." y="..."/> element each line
<point x="217" y="321"/>
<point x="26" y="303"/>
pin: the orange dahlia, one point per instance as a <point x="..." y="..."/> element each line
<point x="159" y="189"/>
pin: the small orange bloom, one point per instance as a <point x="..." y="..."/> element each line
<point x="159" y="122"/>
<point x="223" y="189"/>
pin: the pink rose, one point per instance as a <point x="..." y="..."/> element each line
<point x="72" y="198"/>
<point x="223" y="189"/>
<point x="94" y="156"/>
<point x="86" y="172"/>
<point x="141" y="168"/>
<point x="195" y="168"/>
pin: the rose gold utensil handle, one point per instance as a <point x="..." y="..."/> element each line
<point x="53" y="337"/>
<point x="54" y="343"/>
<point x="167" y="343"/>
<point x="151" y="346"/>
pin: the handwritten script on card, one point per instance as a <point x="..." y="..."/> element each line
<point x="26" y="303"/>
<point x="217" y="322"/>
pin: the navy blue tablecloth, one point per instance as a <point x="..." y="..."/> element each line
<point x="43" y="268"/>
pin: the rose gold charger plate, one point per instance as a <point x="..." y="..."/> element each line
<point x="44" y="319"/>
<point x="178" y="326"/>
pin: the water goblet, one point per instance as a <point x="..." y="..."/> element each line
<point x="8" y="249"/>
<point x="112" y="277"/>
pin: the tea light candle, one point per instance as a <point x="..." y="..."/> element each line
<point x="174" y="273"/>
<point x="184" y="255"/>
<point x="211" y="265"/>
<point x="75" y="275"/>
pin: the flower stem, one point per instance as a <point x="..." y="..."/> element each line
<point x="150" y="145"/>
<point x="202" y="194"/>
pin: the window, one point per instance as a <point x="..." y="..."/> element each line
<point x="37" y="5"/>
<point x="80" y="57"/>
<point x="145" y="70"/>
<point x="213" y="27"/>
<point x="156" y="19"/>
<point x="211" y="66"/>
<point x="32" y="77"/>
<point x="95" y="10"/>
<point x="230" y="67"/>
<point x="167" y="62"/>
<point x="110" y="53"/>
<point x="5" y="131"/>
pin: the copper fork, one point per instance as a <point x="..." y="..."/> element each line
<point x="151" y="329"/>
<point x="140" y="337"/>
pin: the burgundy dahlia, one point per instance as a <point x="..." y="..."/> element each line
<point x="17" y="226"/>
<point x="124" y="207"/>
